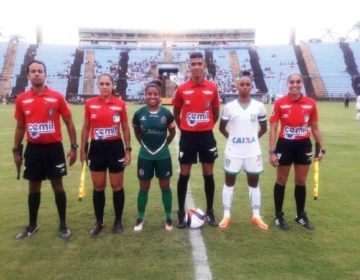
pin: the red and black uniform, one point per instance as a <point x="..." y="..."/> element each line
<point x="196" y="121"/>
<point x="40" y="112"/>
<point x="107" y="148"/>
<point x="295" y="118"/>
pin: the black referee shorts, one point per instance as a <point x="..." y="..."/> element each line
<point x="294" y="151"/>
<point x="44" y="161"/>
<point x="194" y="143"/>
<point x="105" y="155"/>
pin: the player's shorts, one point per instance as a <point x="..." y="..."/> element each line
<point x="251" y="165"/>
<point x="105" y="155"/>
<point x="194" y="143"/>
<point x="44" y="161"/>
<point x="146" y="168"/>
<point x="294" y="151"/>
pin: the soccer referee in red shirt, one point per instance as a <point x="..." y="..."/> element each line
<point x="196" y="110"/>
<point x="38" y="112"/>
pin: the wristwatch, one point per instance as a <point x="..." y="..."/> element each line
<point x="271" y="152"/>
<point x="323" y="151"/>
<point x="74" y="146"/>
<point x="129" y="149"/>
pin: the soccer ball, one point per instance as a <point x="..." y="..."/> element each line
<point x="195" y="218"/>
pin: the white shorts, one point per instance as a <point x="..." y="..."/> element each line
<point x="252" y="165"/>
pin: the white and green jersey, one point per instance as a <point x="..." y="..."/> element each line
<point x="243" y="127"/>
<point x="154" y="126"/>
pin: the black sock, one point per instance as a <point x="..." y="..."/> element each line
<point x="60" y="200"/>
<point x="300" y="197"/>
<point x="181" y="191"/>
<point x="118" y="201"/>
<point x="99" y="204"/>
<point x="33" y="204"/>
<point x="209" y="186"/>
<point x="279" y="193"/>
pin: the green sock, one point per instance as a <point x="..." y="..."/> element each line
<point x="141" y="203"/>
<point x="167" y="201"/>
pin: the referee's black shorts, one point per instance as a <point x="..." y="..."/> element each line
<point x="294" y="151"/>
<point x="193" y="143"/>
<point x="44" y="161"/>
<point x="105" y="155"/>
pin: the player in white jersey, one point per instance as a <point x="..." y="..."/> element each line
<point x="357" y="117"/>
<point x="243" y="122"/>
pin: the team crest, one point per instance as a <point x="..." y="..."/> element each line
<point x="116" y="118"/>
<point x="227" y="162"/>
<point x="253" y="118"/>
<point x="207" y="104"/>
<point x="141" y="172"/>
<point x="163" y="120"/>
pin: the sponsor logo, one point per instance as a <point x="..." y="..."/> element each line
<point x="243" y="140"/>
<point x="187" y="102"/>
<point x="291" y="132"/>
<point x="193" y="119"/>
<point x="208" y="92"/>
<point x="36" y="129"/>
<point x="27" y="113"/>
<point x="285" y="106"/>
<point x="143" y="118"/>
<point x="95" y="106"/>
<point x="187" y="92"/>
<point x="105" y="132"/>
<point x="307" y="106"/>
<point x="93" y="116"/>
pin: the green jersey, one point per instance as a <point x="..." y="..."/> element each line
<point x="154" y="126"/>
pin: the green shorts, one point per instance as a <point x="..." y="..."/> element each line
<point x="146" y="167"/>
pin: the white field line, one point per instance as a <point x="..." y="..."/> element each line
<point x="199" y="255"/>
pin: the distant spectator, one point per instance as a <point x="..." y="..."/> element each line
<point x="347" y="100"/>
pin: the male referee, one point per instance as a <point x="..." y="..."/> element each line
<point x="196" y="110"/>
<point x="38" y="112"/>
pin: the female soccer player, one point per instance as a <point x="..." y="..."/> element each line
<point x="103" y="117"/>
<point x="240" y="122"/>
<point x="298" y="117"/>
<point x="154" y="128"/>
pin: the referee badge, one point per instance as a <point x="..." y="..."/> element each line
<point x="116" y="118"/>
<point x="51" y="112"/>
<point x="306" y="118"/>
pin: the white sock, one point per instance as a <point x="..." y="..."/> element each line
<point x="227" y="197"/>
<point x="255" y="200"/>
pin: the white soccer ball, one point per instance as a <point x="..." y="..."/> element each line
<point x="195" y="218"/>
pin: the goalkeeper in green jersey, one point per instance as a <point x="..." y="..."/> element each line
<point x="154" y="128"/>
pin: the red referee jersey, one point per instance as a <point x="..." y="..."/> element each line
<point x="196" y="103"/>
<point x="105" y="117"/>
<point x="41" y="114"/>
<point x="294" y="116"/>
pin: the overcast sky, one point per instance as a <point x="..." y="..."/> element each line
<point x="273" y="20"/>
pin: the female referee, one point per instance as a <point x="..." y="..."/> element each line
<point x="103" y="116"/>
<point x="154" y="128"/>
<point x="298" y="117"/>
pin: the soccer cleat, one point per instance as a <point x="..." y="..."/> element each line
<point x="181" y="220"/>
<point x="118" y="227"/>
<point x="95" y="230"/>
<point x="225" y="222"/>
<point x="169" y="225"/>
<point x="279" y="221"/>
<point x="27" y="231"/>
<point x="303" y="220"/>
<point x="210" y="218"/>
<point x="257" y="221"/>
<point x="139" y="225"/>
<point x="64" y="232"/>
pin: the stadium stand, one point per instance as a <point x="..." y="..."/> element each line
<point x="3" y="48"/>
<point x="330" y="62"/>
<point x="277" y="62"/>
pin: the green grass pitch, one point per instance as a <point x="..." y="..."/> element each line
<point x="332" y="251"/>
